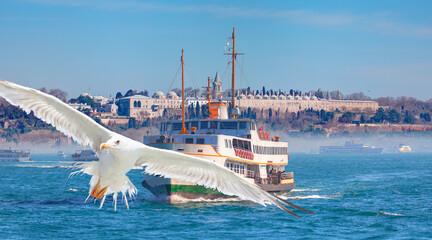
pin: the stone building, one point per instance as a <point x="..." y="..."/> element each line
<point x="142" y="107"/>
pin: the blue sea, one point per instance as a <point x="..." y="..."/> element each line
<point x="385" y="196"/>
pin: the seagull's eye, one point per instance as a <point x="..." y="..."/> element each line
<point x="118" y="141"/>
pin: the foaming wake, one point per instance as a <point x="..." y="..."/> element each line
<point x="390" y="214"/>
<point x="305" y="190"/>
<point x="72" y="190"/>
<point x="180" y="199"/>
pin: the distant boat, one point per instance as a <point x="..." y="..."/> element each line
<point x="350" y="148"/>
<point x="84" y="155"/>
<point x="14" y="155"/>
<point x="61" y="154"/>
<point x="402" y="148"/>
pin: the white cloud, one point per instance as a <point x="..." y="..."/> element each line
<point x="380" y="22"/>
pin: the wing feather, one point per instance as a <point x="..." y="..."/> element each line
<point x="203" y="172"/>
<point x="69" y="121"/>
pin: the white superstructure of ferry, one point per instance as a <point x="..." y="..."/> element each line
<point x="14" y="155"/>
<point x="237" y="144"/>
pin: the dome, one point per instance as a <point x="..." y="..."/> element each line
<point x="258" y="97"/>
<point x="298" y="98"/>
<point x="274" y="97"/>
<point x="306" y="98"/>
<point x="158" y="94"/>
<point x="172" y="94"/>
<point x="250" y="96"/>
<point x="282" y="97"/>
<point x="314" y="98"/>
<point x="290" y="97"/>
<point x="266" y="96"/>
<point x="242" y="96"/>
<point x="84" y="94"/>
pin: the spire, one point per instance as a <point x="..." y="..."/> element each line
<point x="217" y="79"/>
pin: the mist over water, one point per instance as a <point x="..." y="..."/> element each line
<point x="311" y="144"/>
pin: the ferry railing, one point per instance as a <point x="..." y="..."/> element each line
<point x="287" y="175"/>
<point x="250" y="174"/>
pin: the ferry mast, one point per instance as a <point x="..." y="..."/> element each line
<point x="183" y="130"/>
<point x="234" y="55"/>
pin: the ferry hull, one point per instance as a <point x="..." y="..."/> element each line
<point x="171" y="190"/>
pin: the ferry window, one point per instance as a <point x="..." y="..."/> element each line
<point x="228" y="125"/>
<point x="204" y="125"/>
<point x="226" y="143"/>
<point x="200" y="140"/>
<point x="242" y="125"/>
<point x="162" y="127"/>
<point x="188" y="140"/>
<point x="248" y="146"/>
<point x="214" y="125"/>
<point x="187" y="125"/>
<point x="252" y="126"/>
<point x="194" y="124"/>
<point x="235" y="143"/>
<point x="230" y="144"/>
<point x="176" y="126"/>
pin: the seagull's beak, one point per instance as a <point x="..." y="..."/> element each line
<point x="104" y="145"/>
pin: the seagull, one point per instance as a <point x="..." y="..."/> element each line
<point x="119" y="154"/>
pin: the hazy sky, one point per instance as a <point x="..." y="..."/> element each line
<point x="383" y="48"/>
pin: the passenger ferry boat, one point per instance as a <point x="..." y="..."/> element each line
<point x="234" y="143"/>
<point x="350" y="148"/>
<point x="84" y="155"/>
<point x="14" y="155"/>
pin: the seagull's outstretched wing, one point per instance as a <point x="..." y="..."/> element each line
<point x="207" y="173"/>
<point x="50" y="109"/>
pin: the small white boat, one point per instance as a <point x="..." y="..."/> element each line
<point x="61" y="154"/>
<point x="402" y="148"/>
<point x="14" y="155"/>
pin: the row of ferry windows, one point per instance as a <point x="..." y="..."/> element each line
<point x="246" y="145"/>
<point x="270" y="150"/>
<point x="234" y="125"/>
<point x="237" y="168"/>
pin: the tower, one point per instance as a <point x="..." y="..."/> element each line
<point x="217" y="87"/>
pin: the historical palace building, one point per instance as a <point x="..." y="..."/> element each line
<point x="142" y="107"/>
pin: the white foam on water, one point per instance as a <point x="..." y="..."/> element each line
<point x="180" y="199"/>
<point x="390" y="214"/>
<point x="305" y="190"/>
<point x="308" y="197"/>
<point x="72" y="190"/>
<point x="30" y="166"/>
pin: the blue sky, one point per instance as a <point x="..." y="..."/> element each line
<point x="383" y="48"/>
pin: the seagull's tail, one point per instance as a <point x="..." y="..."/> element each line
<point x="101" y="187"/>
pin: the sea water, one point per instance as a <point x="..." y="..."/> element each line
<point x="383" y="196"/>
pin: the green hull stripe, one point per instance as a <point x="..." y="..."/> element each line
<point x="193" y="189"/>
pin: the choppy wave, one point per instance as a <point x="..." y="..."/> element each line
<point x="305" y="190"/>
<point x="72" y="190"/>
<point x="391" y="214"/>
<point x="43" y="166"/>
<point x="308" y="197"/>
